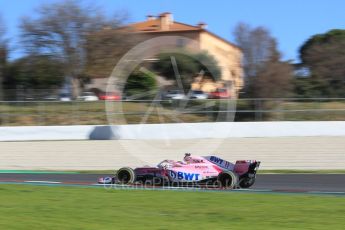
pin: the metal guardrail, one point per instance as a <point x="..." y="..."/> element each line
<point x="94" y="113"/>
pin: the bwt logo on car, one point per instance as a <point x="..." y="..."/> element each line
<point x="216" y="160"/>
<point x="184" y="176"/>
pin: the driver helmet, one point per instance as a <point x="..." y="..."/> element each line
<point x="187" y="158"/>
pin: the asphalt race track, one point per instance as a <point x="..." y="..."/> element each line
<point x="293" y="183"/>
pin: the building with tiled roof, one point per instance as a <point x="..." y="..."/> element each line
<point x="226" y="54"/>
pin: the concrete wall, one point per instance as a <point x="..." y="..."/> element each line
<point x="279" y="145"/>
<point x="174" y="131"/>
<point x="275" y="153"/>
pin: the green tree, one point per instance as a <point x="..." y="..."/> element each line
<point x="141" y="84"/>
<point x="38" y="72"/>
<point x="310" y="87"/>
<point x="188" y="65"/>
<point x="324" y="55"/>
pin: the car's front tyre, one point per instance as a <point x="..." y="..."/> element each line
<point x="126" y="175"/>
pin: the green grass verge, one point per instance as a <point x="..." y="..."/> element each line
<point x="88" y="113"/>
<point x="41" y="207"/>
<point x="94" y="113"/>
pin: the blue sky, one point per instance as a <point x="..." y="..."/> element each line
<point x="290" y="21"/>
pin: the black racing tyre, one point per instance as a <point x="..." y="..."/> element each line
<point x="125" y="176"/>
<point x="227" y="179"/>
<point x="247" y="182"/>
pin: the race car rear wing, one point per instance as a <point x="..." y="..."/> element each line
<point x="220" y="162"/>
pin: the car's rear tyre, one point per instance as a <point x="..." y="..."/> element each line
<point x="125" y="176"/>
<point x="227" y="179"/>
<point x="247" y="182"/>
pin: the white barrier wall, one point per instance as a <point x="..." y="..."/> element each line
<point x="174" y="131"/>
<point x="273" y="152"/>
<point x="279" y="145"/>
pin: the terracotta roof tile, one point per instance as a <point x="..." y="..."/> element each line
<point x="154" y="25"/>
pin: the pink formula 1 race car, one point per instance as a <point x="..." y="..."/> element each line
<point x="208" y="170"/>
